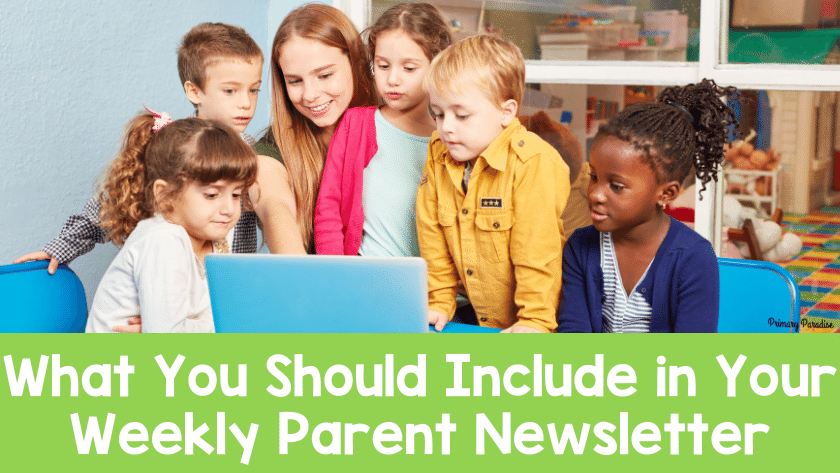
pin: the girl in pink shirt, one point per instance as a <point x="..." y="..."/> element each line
<point x="402" y="43"/>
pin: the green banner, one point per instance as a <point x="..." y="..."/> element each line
<point x="425" y="402"/>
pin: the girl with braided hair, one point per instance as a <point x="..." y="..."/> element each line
<point x="636" y="269"/>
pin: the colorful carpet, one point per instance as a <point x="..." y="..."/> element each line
<point x="817" y="268"/>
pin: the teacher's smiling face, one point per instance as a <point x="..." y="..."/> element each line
<point x="318" y="78"/>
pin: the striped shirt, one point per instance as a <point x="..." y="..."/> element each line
<point x="621" y="313"/>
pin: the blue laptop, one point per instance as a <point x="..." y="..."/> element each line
<point x="264" y="293"/>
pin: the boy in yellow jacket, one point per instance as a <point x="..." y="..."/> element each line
<point x="491" y="196"/>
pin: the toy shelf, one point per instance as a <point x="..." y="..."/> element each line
<point x="747" y="195"/>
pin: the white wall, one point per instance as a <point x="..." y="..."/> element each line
<point x="72" y="74"/>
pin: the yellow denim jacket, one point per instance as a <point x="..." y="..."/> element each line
<point x="504" y="238"/>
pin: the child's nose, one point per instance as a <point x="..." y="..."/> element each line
<point x="245" y="101"/>
<point x="447" y="123"/>
<point x="393" y="77"/>
<point x="229" y="205"/>
<point x="596" y="193"/>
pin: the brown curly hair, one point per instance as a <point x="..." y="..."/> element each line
<point x="191" y="149"/>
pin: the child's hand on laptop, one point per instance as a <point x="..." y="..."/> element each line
<point x="520" y="329"/>
<point x="438" y="319"/>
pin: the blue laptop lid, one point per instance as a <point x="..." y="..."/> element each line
<point x="349" y="294"/>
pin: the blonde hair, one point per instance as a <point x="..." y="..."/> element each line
<point x="191" y="149"/>
<point x="295" y="136"/>
<point x="487" y="62"/>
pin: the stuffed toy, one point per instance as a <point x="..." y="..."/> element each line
<point x="774" y="244"/>
<point x="742" y="155"/>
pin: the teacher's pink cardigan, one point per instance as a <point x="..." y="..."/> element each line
<point x="339" y="217"/>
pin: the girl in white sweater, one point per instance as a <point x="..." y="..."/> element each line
<point x="171" y="196"/>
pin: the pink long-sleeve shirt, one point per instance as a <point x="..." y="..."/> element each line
<point x="339" y="216"/>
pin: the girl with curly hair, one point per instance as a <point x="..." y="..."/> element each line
<point x="170" y="197"/>
<point x="636" y="269"/>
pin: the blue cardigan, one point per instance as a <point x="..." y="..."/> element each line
<point x="682" y="285"/>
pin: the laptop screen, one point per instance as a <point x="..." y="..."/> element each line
<point x="307" y="293"/>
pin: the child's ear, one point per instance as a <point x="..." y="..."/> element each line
<point x="192" y="92"/>
<point x="509" y="111"/>
<point x="668" y="192"/>
<point x="159" y="190"/>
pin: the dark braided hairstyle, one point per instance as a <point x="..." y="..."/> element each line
<point x="686" y="126"/>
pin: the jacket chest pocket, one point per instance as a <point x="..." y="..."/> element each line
<point x="446" y="217"/>
<point x="494" y="233"/>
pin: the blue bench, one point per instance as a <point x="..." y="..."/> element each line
<point x="757" y="297"/>
<point x="33" y="301"/>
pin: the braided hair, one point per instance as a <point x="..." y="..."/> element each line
<point x="686" y="126"/>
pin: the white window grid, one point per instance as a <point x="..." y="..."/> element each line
<point x="711" y="64"/>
